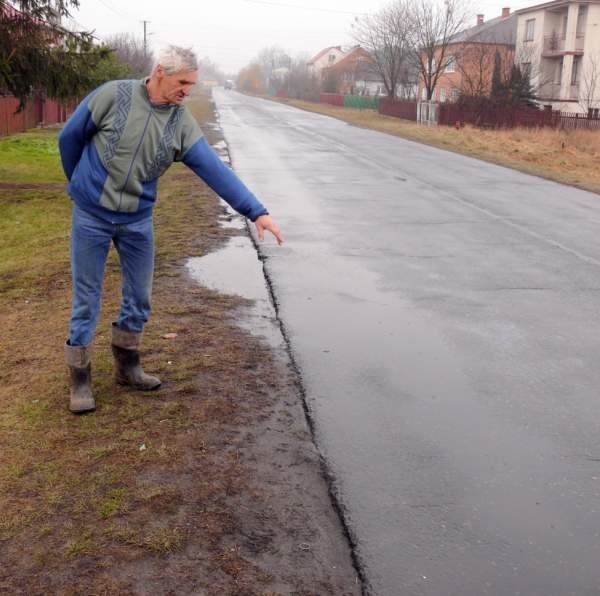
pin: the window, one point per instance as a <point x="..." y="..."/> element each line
<point x="443" y="94"/>
<point x="558" y="71"/>
<point x="576" y="70"/>
<point x="424" y="94"/>
<point x="454" y="94"/>
<point x="331" y="58"/>
<point x="451" y="64"/>
<point x="581" y="20"/>
<point x="529" y="30"/>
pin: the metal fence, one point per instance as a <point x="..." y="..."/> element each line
<point x="334" y="99"/>
<point x="398" y="109"/>
<point x="361" y="102"/>
<point x="38" y="111"/>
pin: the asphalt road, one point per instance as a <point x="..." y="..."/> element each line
<point x="444" y="313"/>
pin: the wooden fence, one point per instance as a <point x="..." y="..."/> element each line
<point x="38" y="111"/>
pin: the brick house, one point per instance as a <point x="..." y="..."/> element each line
<point x="471" y="55"/>
<point x="559" y="42"/>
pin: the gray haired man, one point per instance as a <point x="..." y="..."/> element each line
<point x="114" y="148"/>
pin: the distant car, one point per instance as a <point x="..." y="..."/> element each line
<point x="228" y="84"/>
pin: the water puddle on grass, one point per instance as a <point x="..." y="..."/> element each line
<point x="236" y="270"/>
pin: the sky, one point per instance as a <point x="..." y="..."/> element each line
<point x="232" y="32"/>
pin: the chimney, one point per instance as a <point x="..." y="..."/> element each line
<point x="506" y="11"/>
<point x="479" y="19"/>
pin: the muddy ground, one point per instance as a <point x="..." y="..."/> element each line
<point x="212" y="485"/>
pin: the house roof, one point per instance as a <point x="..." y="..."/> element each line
<point x="323" y="52"/>
<point x="355" y="53"/>
<point x="553" y="4"/>
<point x="501" y="30"/>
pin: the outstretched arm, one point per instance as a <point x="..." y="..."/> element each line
<point x="207" y="165"/>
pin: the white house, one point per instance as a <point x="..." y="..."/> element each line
<point x="325" y="59"/>
<point x="559" y="43"/>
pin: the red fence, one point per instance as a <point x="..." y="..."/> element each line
<point x="398" y="109"/>
<point x="493" y="117"/>
<point x="38" y="111"/>
<point x="334" y="99"/>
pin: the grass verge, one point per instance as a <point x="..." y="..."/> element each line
<point x="146" y="494"/>
<point x="569" y="157"/>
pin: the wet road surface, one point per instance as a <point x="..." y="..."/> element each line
<point x="444" y="313"/>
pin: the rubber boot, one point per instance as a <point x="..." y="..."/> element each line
<point x="80" y="369"/>
<point x="128" y="369"/>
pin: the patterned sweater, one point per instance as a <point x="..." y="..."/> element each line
<point x="117" y="144"/>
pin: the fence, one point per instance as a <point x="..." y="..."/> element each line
<point x="427" y="112"/>
<point x="38" y="111"/>
<point x="398" y="109"/>
<point x="494" y="117"/>
<point x="334" y="99"/>
<point x="579" y="121"/>
<point x="361" y="102"/>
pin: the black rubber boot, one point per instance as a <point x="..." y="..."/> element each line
<point x="80" y="370"/>
<point x="128" y="369"/>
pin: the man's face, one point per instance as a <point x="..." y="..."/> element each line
<point x="176" y="87"/>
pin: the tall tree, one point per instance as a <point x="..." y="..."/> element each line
<point x="36" y="52"/>
<point x="436" y="25"/>
<point x="129" y="50"/>
<point x="497" y="87"/>
<point x="386" y="36"/>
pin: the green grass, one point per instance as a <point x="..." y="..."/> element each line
<point x="31" y="157"/>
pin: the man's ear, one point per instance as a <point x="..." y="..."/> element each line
<point x="159" y="71"/>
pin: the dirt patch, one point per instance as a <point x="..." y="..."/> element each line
<point x="53" y="186"/>
<point x="211" y="485"/>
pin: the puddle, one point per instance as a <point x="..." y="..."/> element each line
<point x="236" y="270"/>
<point x="221" y="149"/>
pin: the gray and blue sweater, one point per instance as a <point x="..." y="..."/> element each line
<point x="117" y="144"/>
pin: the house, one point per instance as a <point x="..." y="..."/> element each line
<point x="324" y="59"/>
<point x="559" y="42"/>
<point x="470" y="56"/>
<point x="354" y="74"/>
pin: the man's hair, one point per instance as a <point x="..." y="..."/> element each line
<point x="176" y="59"/>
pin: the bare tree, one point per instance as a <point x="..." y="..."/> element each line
<point x="589" y="90"/>
<point x="302" y="84"/>
<point x="477" y="64"/>
<point x="210" y="71"/>
<point x="129" y="50"/>
<point x="386" y="36"/>
<point x="436" y="25"/>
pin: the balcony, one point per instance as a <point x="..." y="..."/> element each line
<point x="574" y="92"/>
<point x="555" y="46"/>
<point x="551" y="92"/>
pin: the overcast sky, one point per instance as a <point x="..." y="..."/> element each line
<point x="232" y="32"/>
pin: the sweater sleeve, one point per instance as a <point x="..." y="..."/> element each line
<point x="78" y="130"/>
<point x="201" y="158"/>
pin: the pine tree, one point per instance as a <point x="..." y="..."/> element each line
<point x="37" y="53"/>
<point x="498" y="92"/>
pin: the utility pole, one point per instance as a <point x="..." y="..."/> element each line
<point x="145" y="43"/>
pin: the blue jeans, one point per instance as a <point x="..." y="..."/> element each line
<point x="90" y="242"/>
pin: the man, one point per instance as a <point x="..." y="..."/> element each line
<point x="115" y="146"/>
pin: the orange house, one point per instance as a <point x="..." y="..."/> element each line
<point x="470" y="58"/>
<point x="355" y="74"/>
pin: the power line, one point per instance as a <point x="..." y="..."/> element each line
<point x="296" y="6"/>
